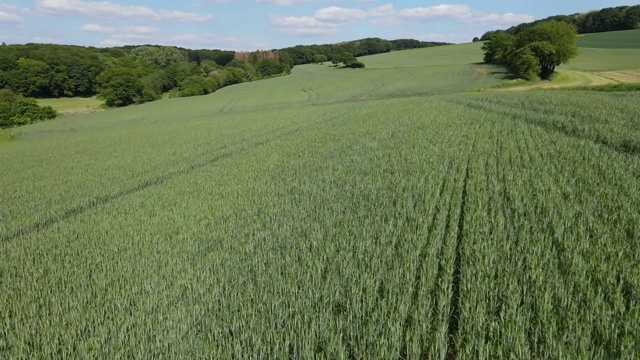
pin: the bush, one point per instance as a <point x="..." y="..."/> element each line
<point x="357" y="65"/>
<point x="19" y="110"/>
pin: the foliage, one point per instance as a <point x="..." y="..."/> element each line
<point x="525" y="63"/>
<point x="20" y="110"/>
<point x="345" y="58"/>
<point x="158" y="56"/>
<point x="120" y="86"/>
<point x="197" y="85"/>
<point x="319" y="59"/>
<point x="50" y="70"/>
<point x="498" y="48"/>
<point x="357" y="65"/>
<point x="536" y="51"/>
<point x="247" y="67"/>
<point x="269" y="67"/>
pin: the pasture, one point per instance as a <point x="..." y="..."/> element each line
<point x="74" y="105"/>
<point x="392" y="212"/>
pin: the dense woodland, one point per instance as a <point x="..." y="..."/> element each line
<point x="609" y="19"/>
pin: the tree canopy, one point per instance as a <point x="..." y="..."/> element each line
<point x="534" y="52"/>
<point x="16" y="109"/>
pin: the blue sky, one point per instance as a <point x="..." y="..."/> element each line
<point x="266" y="24"/>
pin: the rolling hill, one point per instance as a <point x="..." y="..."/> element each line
<point x="390" y="212"/>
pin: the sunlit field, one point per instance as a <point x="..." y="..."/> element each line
<point x="395" y="212"/>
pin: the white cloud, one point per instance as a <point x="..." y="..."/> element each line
<point x="340" y="15"/>
<point x="14" y="9"/>
<point x="304" y="26"/>
<point x="143" y="29"/>
<point x="97" y="29"/>
<point x="384" y="10"/>
<point x="300" y="22"/>
<point x="212" y="41"/>
<point x="286" y="2"/>
<point x="439" y="11"/>
<point x="309" y="31"/>
<point x="111" y="10"/>
<point x="326" y="21"/>
<point x="508" y="18"/>
<point x="7" y="18"/>
<point x="460" y="13"/>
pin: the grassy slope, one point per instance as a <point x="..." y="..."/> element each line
<point x="76" y="105"/>
<point x="628" y="39"/>
<point x="330" y="210"/>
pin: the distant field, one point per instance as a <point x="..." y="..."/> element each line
<point x="629" y="39"/>
<point x="76" y="104"/>
<point x="394" y="212"/>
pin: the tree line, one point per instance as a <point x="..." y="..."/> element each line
<point x="604" y="20"/>
<point x="125" y="75"/>
<point x="309" y="54"/>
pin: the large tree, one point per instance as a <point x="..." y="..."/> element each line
<point x="553" y="43"/>
<point x="534" y="52"/>
<point x="120" y="86"/>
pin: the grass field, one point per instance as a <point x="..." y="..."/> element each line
<point x="75" y="105"/>
<point x="393" y="212"/>
<point x="628" y="39"/>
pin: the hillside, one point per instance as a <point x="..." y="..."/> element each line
<point x="392" y="212"/>
<point x="628" y="39"/>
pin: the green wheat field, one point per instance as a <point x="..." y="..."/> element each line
<point x="403" y="211"/>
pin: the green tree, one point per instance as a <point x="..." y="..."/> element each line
<point x="158" y="56"/>
<point x="208" y="66"/>
<point x="20" y="110"/>
<point x="120" y="86"/>
<point x="345" y="58"/>
<point x="250" y="69"/>
<point x="269" y="67"/>
<point x="498" y="47"/>
<point x="32" y="78"/>
<point x="320" y="58"/>
<point x="525" y="64"/>
<point x="553" y="43"/>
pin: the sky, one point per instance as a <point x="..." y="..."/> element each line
<point x="246" y="25"/>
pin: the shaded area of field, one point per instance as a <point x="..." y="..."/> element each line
<point x="333" y="213"/>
